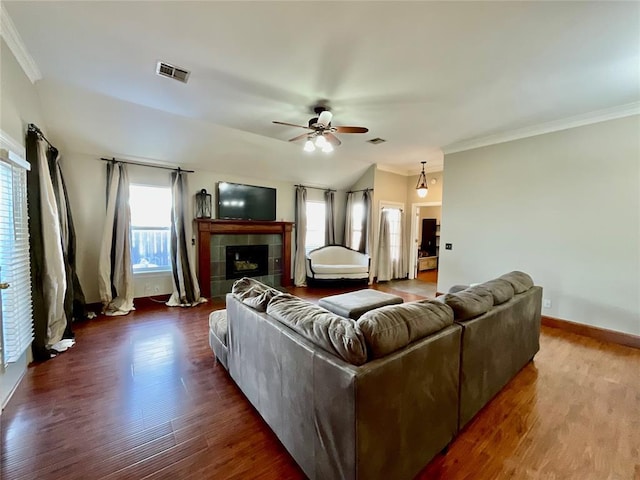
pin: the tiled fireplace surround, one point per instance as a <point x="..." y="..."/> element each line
<point x="215" y="235"/>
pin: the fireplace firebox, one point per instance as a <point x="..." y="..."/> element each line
<point x="246" y="261"/>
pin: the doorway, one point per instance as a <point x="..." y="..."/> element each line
<point x="425" y="241"/>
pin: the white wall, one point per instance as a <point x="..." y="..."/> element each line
<point x="20" y="106"/>
<point x="86" y="181"/>
<point x="564" y="207"/>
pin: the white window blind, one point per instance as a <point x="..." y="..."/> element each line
<point x="17" y="317"/>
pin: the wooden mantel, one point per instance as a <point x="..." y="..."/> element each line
<point x="208" y="227"/>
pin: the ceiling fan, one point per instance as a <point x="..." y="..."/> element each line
<point x="321" y="132"/>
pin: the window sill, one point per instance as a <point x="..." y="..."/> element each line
<point x="152" y="272"/>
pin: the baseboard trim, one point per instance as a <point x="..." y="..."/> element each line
<point x="626" y="339"/>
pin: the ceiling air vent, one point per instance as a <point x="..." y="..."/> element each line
<point x="170" y="71"/>
<point x="377" y="140"/>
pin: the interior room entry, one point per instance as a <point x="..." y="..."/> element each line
<point x="424" y="255"/>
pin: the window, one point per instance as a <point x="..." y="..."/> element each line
<point x="150" y="224"/>
<point x="315" y="225"/>
<point x="394" y="217"/>
<point x="357" y="211"/>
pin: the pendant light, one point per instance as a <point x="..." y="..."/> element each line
<point x="421" y="187"/>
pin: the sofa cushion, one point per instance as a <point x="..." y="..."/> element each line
<point x="324" y="268"/>
<point x="253" y="293"/>
<point x="520" y="281"/>
<point x="337" y="335"/>
<point x="218" y="325"/>
<point x="457" y="288"/>
<point x="469" y="303"/>
<point x="501" y="290"/>
<point x="390" y="328"/>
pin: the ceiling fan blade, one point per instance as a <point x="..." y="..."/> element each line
<point x="324" y="118"/>
<point x="332" y="139"/>
<point x="304" y="135"/>
<point x="351" y="129"/>
<point x="292" y="125"/>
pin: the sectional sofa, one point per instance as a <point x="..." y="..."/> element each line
<point x="379" y="397"/>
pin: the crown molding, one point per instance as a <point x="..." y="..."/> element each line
<point x="16" y="45"/>
<point x="408" y="172"/>
<point x="597" y="116"/>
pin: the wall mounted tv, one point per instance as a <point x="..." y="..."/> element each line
<point x="245" y="202"/>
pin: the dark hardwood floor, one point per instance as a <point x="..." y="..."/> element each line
<point x="141" y="397"/>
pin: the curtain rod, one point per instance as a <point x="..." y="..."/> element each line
<point x="178" y="169"/>
<point x="317" y="188"/>
<point x="363" y="190"/>
<point x="34" y="128"/>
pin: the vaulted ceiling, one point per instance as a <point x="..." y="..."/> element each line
<point x="425" y="76"/>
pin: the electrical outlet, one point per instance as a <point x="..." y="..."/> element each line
<point x="448" y="246"/>
<point x="546" y="303"/>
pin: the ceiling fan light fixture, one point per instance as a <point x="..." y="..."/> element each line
<point x="309" y="146"/>
<point x="421" y="187"/>
<point x="320" y="141"/>
<point x="327" y="147"/>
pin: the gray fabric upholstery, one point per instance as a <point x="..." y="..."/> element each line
<point x="218" y="336"/>
<point x="393" y="327"/>
<point x="457" y="288"/>
<point x="495" y="346"/>
<point x="520" y="281"/>
<point x="337" y="335"/>
<point x="385" y="419"/>
<point x="501" y="290"/>
<point x="469" y="303"/>
<point x="355" y="304"/>
<point x="253" y="293"/>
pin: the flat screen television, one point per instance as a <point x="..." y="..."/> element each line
<point x="245" y="202"/>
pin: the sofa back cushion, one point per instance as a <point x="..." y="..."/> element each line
<point x="337" y="255"/>
<point x="390" y="328"/>
<point x="253" y="293"/>
<point x="520" y="281"/>
<point x="337" y="335"/>
<point x="469" y="303"/>
<point x="501" y="290"/>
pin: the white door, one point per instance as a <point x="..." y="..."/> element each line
<point x="16" y="329"/>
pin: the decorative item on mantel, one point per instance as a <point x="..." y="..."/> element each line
<point x="203" y="204"/>
<point x="421" y="188"/>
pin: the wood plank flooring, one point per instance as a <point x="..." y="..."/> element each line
<point x="141" y="397"/>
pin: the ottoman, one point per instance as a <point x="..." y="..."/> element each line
<point x="355" y="304"/>
<point x="218" y="336"/>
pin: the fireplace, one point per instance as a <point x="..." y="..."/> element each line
<point x="246" y="261"/>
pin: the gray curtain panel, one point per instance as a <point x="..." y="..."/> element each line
<point x="299" y="267"/>
<point x="384" y="268"/>
<point x="367" y="225"/>
<point x="186" y="291"/>
<point x="74" y="299"/>
<point x="330" y="217"/>
<point x="47" y="260"/>
<point x="348" y="221"/>
<point x="115" y="271"/>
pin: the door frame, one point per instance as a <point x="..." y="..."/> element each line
<point x="413" y="240"/>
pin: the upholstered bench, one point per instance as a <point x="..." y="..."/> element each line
<point x="355" y="304"/>
<point x="218" y="336"/>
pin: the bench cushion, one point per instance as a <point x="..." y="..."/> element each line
<point x="354" y="304"/>
<point x="334" y="334"/>
<point x="337" y="269"/>
<point x="393" y="327"/>
<point x="218" y="325"/>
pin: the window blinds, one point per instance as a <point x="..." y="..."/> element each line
<point x="17" y="317"/>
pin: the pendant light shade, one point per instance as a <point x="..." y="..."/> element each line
<point x="421" y="187"/>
